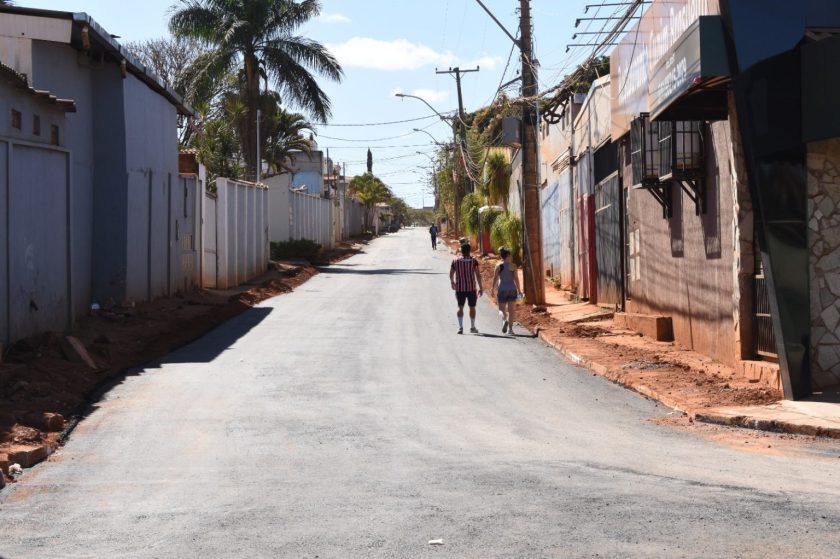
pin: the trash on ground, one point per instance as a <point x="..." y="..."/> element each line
<point x="15" y="470"/>
<point x="435" y="542"/>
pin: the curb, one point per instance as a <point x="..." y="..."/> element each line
<point x="771" y="425"/>
<point x="742" y="421"/>
<point x="604" y="371"/>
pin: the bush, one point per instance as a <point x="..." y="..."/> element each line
<point x="302" y="249"/>
<point x="470" y="205"/>
<point x="507" y="231"/>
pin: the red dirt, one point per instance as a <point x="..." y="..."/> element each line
<point x="687" y="378"/>
<point x="43" y="375"/>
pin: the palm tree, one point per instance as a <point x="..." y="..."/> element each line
<point x="283" y="139"/>
<point x="257" y="37"/>
<point x="370" y="190"/>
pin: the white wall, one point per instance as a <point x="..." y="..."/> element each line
<point x="241" y="231"/>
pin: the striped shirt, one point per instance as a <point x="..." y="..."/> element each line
<point x="465" y="269"/>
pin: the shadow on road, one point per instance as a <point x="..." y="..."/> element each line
<point x="379" y="272"/>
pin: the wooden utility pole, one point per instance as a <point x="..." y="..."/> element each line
<point x="460" y="131"/>
<point x="532" y="247"/>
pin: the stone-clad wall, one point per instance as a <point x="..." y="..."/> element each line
<point x="824" y="242"/>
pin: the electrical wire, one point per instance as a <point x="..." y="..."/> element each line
<point x="378" y="123"/>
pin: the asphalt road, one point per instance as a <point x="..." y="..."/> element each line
<point x="347" y="419"/>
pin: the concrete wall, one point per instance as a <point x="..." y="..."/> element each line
<point x="242" y="246"/>
<point x="155" y="214"/>
<point x="685" y="264"/>
<point x="311" y="218"/>
<point x="35" y="236"/>
<point x="56" y="68"/>
<point x="278" y="207"/>
<point x="823" y="162"/>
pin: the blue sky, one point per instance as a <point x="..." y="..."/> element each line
<point x="395" y="45"/>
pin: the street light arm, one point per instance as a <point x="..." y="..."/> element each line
<point x="403" y="95"/>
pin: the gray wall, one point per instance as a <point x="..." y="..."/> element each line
<point x="56" y="69"/>
<point x="125" y="171"/>
<point x="110" y="197"/>
<point x="155" y="197"/>
<point x="35" y="236"/>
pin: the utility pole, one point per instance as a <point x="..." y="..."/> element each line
<point x="533" y="269"/>
<point x="460" y="130"/>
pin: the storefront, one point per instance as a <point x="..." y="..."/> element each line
<point x="727" y="115"/>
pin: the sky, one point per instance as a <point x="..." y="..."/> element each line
<point x="389" y="46"/>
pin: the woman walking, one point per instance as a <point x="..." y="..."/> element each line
<point x="506" y="281"/>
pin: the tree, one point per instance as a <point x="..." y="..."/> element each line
<point x="283" y="139"/>
<point x="257" y="38"/>
<point x="172" y="60"/>
<point x="370" y="190"/>
<point x="399" y="210"/>
<point x="369" y="162"/>
<point x="219" y="150"/>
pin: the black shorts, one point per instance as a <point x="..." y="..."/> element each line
<point x="466" y="296"/>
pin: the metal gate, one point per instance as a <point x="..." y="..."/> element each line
<point x="764" y="339"/>
<point x="608" y="241"/>
<point x="185" y="234"/>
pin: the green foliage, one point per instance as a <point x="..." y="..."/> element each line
<point x="488" y="217"/>
<point x="219" y="150"/>
<point x="258" y="40"/>
<point x="421" y="217"/>
<point x="507" y="231"/>
<point x="370" y="190"/>
<point x="302" y="249"/>
<point x="470" y="205"/>
<point x="399" y="210"/>
<point x="497" y="170"/>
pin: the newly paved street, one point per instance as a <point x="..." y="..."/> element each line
<point x="348" y="420"/>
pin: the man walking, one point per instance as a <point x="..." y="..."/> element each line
<point x="433" y="231"/>
<point x="466" y="279"/>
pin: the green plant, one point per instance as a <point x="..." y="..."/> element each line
<point x="497" y="170"/>
<point x="507" y="231"/>
<point x="470" y="205"/>
<point x="259" y="38"/>
<point x="488" y="217"/>
<point x="300" y="249"/>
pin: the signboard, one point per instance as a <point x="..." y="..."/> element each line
<point x="648" y="51"/>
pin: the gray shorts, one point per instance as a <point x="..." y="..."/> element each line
<point x="507" y="295"/>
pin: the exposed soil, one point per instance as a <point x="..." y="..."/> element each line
<point x="687" y="378"/>
<point x="44" y="379"/>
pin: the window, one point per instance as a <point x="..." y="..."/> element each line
<point x="36" y="125"/>
<point x="16" y="119"/>
<point x="54" y="135"/>
<point x="634" y="256"/>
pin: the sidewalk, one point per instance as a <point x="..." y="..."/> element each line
<point x="817" y="416"/>
<point x="683" y="380"/>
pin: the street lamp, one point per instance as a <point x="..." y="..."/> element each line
<point x="455" y="142"/>
<point x="432" y="137"/>
<point x="404" y="95"/>
<point x="434" y="176"/>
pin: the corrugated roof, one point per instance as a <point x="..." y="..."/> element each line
<point x="106" y="42"/>
<point x="15" y="78"/>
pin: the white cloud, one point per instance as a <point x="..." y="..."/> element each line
<point x="432" y="95"/>
<point x="333" y="18"/>
<point x="399" y="54"/>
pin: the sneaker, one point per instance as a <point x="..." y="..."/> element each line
<point x="504" y="327"/>
<point x="510" y="330"/>
<point x="474" y="330"/>
<point x="460" y="330"/>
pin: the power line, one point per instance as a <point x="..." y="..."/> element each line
<point x="377" y="123"/>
